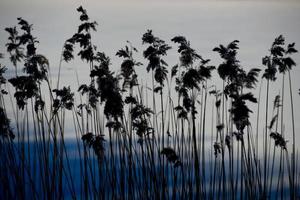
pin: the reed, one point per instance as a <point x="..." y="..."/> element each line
<point x="185" y="136"/>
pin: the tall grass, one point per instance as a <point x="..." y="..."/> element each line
<point x="183" y="137"/>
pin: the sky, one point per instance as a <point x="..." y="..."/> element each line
<point x="205" y="23"/>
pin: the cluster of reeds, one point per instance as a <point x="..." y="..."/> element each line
<point x="182" y="137"/>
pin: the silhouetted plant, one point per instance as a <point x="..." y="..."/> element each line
<point x="237" y="79"/>
<point x="187" y="54"/>
<point x="190" y="77"/>
<point x="140" y="115"/>
<point x="279" y="59"/>
<point x="135" y="166"/>
<point x="279" y="140"/>
<point x="217" y="148"/>
<point x="188" y="82"/>
<point x="228" y="141"/>
<point x="83" y="38"/>
<point x="92" y="92"/>
<point x="171" y="156"/>
<point x="154" y="52"/>
<point x="64" y="99"/>
<point x="128" y="66"/>
<point x="240" y="111"/>
<point x="273" y="122"/>
<point x="26" y="88"/>
<point x="182" y="113"/>
<point x="277" y="102"/>
<point x="108" y="87"/>
<point x="96" y="142"/>
<point x="35" y="65"/>
<point x="5" y="128"/>
<point x="14" y="46"/>
<point x="2" y="79"/>
<point x="229" y="68"/>
<point x="130" y="100"/>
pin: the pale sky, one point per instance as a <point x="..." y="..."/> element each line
<point x="205" y="24"/>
